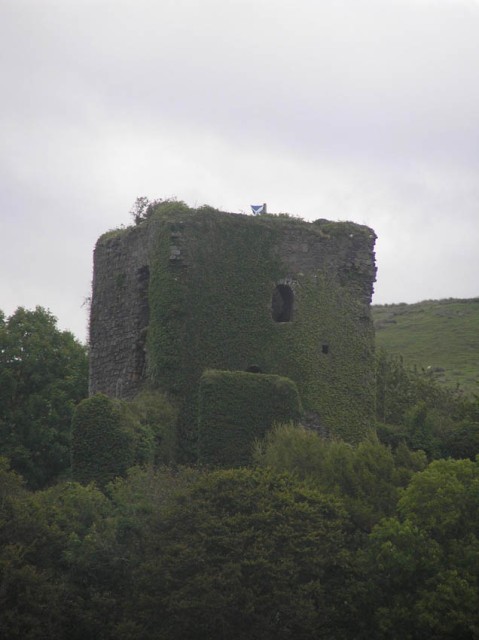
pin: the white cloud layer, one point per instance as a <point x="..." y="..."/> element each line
<point x="345" y="109"/>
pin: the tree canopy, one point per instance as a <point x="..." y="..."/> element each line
<point x="43" y="375"/>
<point x="315" y="539"/>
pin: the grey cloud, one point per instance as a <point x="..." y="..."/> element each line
<point x="347" y="109"/>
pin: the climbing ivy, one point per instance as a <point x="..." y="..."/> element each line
<point x="212" y="276"/>
<point x="237" y="407"/>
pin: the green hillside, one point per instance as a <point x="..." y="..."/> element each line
<point x="441" y="336"/>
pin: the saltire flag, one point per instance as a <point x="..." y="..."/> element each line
<point x="257" y="209"/>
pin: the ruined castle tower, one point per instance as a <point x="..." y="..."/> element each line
<point x="188" y="290"/>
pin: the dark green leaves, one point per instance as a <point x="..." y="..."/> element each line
<point x="43" y="374"/>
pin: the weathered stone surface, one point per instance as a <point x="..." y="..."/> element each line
<point x="119" y="313"/>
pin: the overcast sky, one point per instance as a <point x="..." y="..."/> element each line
<point x="355" y="110"/>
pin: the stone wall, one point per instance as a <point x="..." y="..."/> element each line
<point x="189" y="290"/>
<point x="345" y="252"/>
<point x="119" y="313"/>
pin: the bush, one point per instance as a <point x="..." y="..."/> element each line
<point x="103" y="446"/>
<point x="367" y="477"/>
<point x="156" y="428"/>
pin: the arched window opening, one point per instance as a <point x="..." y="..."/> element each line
<point x="282" y="303"/>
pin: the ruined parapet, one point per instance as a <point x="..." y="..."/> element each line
<point x="189" y="290"/>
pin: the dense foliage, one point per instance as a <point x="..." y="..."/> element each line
<point x="423" y="564"/>
<point x="109" y="436"/>
<point x="412" y="407"/>
<point x="244" y="553"/>
<point x="102" y="445"/>
<point x="367" y="477"/>
<point x="315" y="539"/>
<point x="43" y="375"/>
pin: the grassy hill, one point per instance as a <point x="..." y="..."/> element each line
<point x="440" y="334"/>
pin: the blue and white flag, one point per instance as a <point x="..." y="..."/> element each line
<point x="257" y="209"/>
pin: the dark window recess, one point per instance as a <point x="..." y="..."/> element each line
<point x="254" y="368"/>
<point x="282" y="303"/>
<point x="325" y="348"/>
<point x="143" y="275"/>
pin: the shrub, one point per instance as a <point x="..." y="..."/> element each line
<point x="103" y="445"/>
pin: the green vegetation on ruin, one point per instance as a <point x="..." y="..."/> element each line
<point x="202" y="316"/>
<point x="236" y="408"/>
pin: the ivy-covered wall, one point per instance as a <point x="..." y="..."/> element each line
<point x="237" y="407"/>
<point x="211" y="289"/>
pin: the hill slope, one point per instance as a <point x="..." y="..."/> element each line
<point x="440" y="334"/>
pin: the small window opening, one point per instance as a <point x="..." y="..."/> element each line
<point x="254" y="368"/>
<point x="325" y="348"/>
<point x="282" y="303"/>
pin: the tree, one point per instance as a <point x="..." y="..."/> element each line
<point x="366" y="477"/>
<point x="43" y="375"/>
<point x="462" y="441"/>
<point x="111" y="435"/>
<point x="102" y="441"/>
<point x="422" y="567"/>
<point x="155" y="418"/>
<point x="143" y="208"/>
<point x="244" y="554"/>
<point x="140" y="209"/>
<point x="58" y="562"/>
<point x="412" y="407"/>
